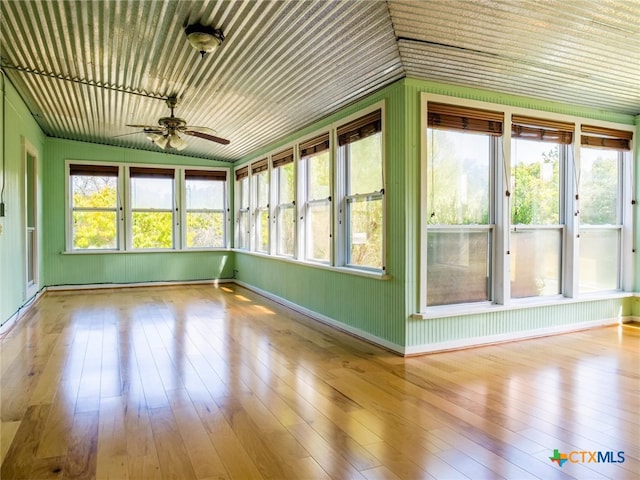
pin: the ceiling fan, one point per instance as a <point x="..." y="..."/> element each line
<point x="166" y="134"/>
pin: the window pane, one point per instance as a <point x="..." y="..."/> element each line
<point x="598" y="186"/>
<point x="365" y="232"/>
<point x="535" y="183"/>
<point x="262" y="189"/>
<point x="262" y="231"/>
<point x="365" y="165"/>
<point x="599" y="271"/>
<point x="458" y="183"/>
<point x="319" y="174"/>
<point x="458" y="267"/>
<point x="152" y="193"/>
<point x="205" y="194"/>
<point x="152" y="229"/>
<point x="91" y="191"/>
<point x="243" y="229"/>
<point x="535" y="262"/>
<point x="319" y="232"/>
<point x="244" y="192"/>
<point x="286" y="230"/>
<point x="95" y="229"/>
<point x="205" y="229"/>
<point x="286" y="184"/>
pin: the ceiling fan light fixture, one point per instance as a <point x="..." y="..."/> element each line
<point x="176" y="142"/>
<point x="203" y="38"/>
<point x="159" y="140"/>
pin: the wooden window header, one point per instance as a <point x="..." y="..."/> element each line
<point x="361" y="128"/>
<point x="609" y="138"/>
<point x="314" y="146"/>
<point x="95" y="170"/>
<point x="541" y="130"/>
<point x="242" y="172"/>
<point x="259" y="166"/>
<point x="151" y="172"/>
<point x="215" y="175"/>
<point x="454" y="117"/>
<point x="282" y="158"/>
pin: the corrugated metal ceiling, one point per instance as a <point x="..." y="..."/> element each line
<point x="88" y="68"/>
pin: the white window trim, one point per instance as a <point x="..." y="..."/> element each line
<point x="341" y="241"/>
<point x="185" y="211"/>
<point x="337" y="262"/>
<point x="124" y="234"/>
<point x="503" y="227"/>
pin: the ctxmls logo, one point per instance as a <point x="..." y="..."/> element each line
<point x="587" y="457"/>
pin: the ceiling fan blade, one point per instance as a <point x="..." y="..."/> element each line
<point x="197" y="128"/>
<point x="206" y="136"/>
<point x="146" y="127"/>
<point x="131" y="133"/>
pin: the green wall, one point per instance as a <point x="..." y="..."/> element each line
<point x="379" y="309"/>
<point x="384" y="309"/>
<point x="372" y="306"/>
<point x="20" y="126"/>
<point x="98" y="268"/>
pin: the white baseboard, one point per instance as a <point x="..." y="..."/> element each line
<point x="13" y="319"/>
<point x="97" y="286"/>
<point x="356" y="332"/>
<point x="510" y="337"/>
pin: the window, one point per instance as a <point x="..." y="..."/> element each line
<point x="242" y="199"/>
<point x="462" y="145"/>
<point x="538" y="155"/>
<point x="94" y="196"/>
<point x="285" y="212"/>
<point x="315" y="162"/>
<point x="260" y="175"/>
<point x="205" y="208"/>
<point x="600" y="187"/>
<point x="148" y="214"/>
<point x="152" y="207"/>
<point x="360" y="144"/>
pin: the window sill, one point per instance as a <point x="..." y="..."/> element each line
<point x="143" y="251"/>
<point x="348" y="270"/>
<point x="517" y="304"/>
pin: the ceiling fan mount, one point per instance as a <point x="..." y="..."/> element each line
<point x="166" y="134"/>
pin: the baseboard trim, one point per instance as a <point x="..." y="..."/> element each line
<point x="356" y="332"/>
<point x="511" y="337"/>
<point x="99" y="286"/>
<point x="24" y="308"/>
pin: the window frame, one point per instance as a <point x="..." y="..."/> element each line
<point x="308" y="203"/>
<point x="260" y="178"/>
<point x="69" y="211"/>
<point x="131" y="210"/>
<point x="623" y="215"/>
<point x="346" y="198"/>
<point x="336" y="201"/>
<point x="125" y="208"/>
<point x="184" y="174"/>
<point x="242" y="186"/>
<point x="490" y="228"/>
<point x="277" y="166"/>
<point x="568" y="211"/>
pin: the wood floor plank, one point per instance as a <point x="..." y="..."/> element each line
<point x="212" y="382"/>
<point x="82" y="454"/>
<point x="170" y="447"/>
<point x="22" y="452"/>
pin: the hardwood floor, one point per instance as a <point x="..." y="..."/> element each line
<point x="204" y="382"/>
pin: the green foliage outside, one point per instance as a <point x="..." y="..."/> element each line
<point x="458" y="178"/>
<point x="365" y="216"/>
<point x="599" y="188"/>
<point x="94" y="229"/>
<point x="535" y="191"/>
